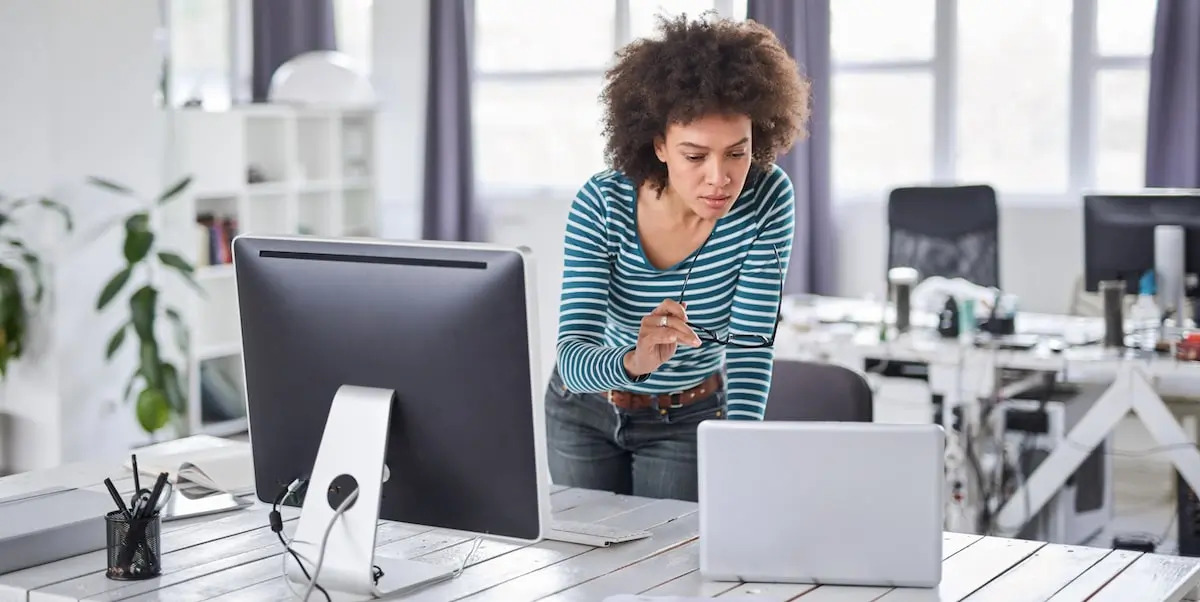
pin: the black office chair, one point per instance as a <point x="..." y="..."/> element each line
<point x="818" y="392"/>
<point x="947" y="231"/>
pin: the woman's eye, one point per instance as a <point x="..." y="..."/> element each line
<point x="695" y="157"/>
<point x="738" y="154"/>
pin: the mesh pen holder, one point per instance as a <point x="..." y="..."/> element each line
<point x="134" y="546"/>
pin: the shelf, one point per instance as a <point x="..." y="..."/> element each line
<point x="226" y="428"/>
<point x="218" y="351"/>
<point x="204" y="273"/>
<point x="318" y="175"/>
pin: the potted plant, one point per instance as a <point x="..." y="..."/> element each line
<point x="22" y="275"/>
<point x="161" y="385"/>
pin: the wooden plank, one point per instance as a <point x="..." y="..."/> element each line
<point x="1152" y="577"/>
<point x="592" y="564"/>
<point x="969" y="570"/>
<point x="691" y="585"/>
<point x="174" y="560"/>
<point x="257" y="571"/>
<point x="952" y="543"/>
<point x="176" y="536"/>
<point x="1095" y="577"/>
<point x="1038" y="577"/>
<point x="770" y="591"/>
<point x="634" y="578"/>
<point x="547" y="554"/>
<point x="493" y="562"/>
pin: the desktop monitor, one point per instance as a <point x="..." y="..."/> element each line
<point x="447" y="326"/>
<point x="1119" y="237"/>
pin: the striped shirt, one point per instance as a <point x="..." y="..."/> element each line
<point x="735" y="287"/>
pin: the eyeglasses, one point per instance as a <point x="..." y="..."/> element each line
<point x="749" y="341"/>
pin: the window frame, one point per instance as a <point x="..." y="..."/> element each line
<point x="1085" y="63"/>
<point x="502" y="193"/>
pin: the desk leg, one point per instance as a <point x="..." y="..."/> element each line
<point x="1129" y="391"/>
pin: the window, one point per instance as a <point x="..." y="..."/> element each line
<point x="1041" y="97"/>
<point x="537" y="84"/>
<point x="352" y="20"/>
<point x="201" y="51"/>
<point x="1013" y="94"/>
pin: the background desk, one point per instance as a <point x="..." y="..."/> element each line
<point x="235" y="556"/>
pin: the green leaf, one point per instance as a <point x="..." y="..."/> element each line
<point x="14" y="317"/>
<point x="61" y="209"/>
<point x="110" y="185"/>
<point x="173" y="260"/>
<point x="138" y="238"/>
<point x="174" y="388"/>
<point x="143" y="306"/>
<point x="153" y="409"/>
<point x="115" y="341"/>
<point x="129" y="385"/>
<point x="150" y="366"/>
<point x="182" y="336"/>
<point x="114" y="286"/>
<point x="171" y="192"/>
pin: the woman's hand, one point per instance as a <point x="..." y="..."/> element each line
<point x="661" y="332"/>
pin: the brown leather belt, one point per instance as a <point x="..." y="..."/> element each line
<point x="627" y="400"/>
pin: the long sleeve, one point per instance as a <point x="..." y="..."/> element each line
<point x="756" y="300"/>
<point x="585" y="363"/>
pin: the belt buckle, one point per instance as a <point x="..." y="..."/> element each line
<point x="676" y="401"/>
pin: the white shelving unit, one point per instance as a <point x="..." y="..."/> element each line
<point x="266" y="169"/>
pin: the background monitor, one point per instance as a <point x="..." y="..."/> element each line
<point x="1118" y="235"/>
<point x="448" y="326"/>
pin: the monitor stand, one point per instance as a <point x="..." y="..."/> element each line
<point x="351" y="455"/>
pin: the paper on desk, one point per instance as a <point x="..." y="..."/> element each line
<point x="218" y="470"/>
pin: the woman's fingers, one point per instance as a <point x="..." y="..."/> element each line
<point x="665" y="329"/>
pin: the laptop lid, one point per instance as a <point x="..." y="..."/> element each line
<point x="821" y="502"/>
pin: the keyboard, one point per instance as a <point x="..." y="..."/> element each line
<point x="591" y="534"/>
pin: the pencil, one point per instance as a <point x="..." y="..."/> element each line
<point x="137" y="484"/>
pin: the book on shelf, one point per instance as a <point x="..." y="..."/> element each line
<point x="216" y="235"/>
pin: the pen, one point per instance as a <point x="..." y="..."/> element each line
<point x="157" y="491"/>
<point x="112" y="490"/>
<point x="137" y="485"/>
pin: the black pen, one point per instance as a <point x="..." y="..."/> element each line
<point x="137" y="484"/>
<point x="149" y="508"/>
<point x="112" y="490"/>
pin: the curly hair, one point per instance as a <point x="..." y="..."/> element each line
<point x="697" y="68"/>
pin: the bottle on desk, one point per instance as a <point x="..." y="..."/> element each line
<point x="1145" y="317"/>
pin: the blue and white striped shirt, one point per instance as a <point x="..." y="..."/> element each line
<point x="735" y="286"/>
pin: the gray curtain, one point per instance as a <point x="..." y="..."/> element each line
<point x="1173" y="135"/>
<point x="449" y="211"/>
<point x="803" y="27"/>
<point x="283" y="29"/>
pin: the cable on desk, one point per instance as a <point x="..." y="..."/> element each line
<point x="341" y="509"/>
<point x="277" y="526"/>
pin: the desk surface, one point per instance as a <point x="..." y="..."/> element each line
<point x="235" y="556"/>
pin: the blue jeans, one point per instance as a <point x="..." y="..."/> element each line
<point x="649" y="453"/>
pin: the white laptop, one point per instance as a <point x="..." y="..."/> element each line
<point x="821" y="502"/>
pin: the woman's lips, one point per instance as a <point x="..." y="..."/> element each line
<point x="716" y="202"/>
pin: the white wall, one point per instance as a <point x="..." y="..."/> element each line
<point x="78" y="81"/>
<point x="1041" y="251"/>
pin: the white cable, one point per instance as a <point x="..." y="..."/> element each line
<point x="312" y="583"/>
<point x="341" y="509"/>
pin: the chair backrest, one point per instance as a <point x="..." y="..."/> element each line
<point x="948" y="231"/>
<point x="815" y="391"/>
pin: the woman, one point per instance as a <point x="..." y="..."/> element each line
<point x="675" y="258"/>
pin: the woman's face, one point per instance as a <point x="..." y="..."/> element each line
<point x="707" y="162"/>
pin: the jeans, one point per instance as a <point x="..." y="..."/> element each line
<point x="648" y="453"/>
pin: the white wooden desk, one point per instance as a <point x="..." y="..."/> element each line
<point x="235" y="556"/>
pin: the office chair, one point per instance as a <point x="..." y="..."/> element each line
<point x="818" y="392"/>
<point x="947" y="231"/>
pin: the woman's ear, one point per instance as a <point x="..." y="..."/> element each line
<point x="660" y="148"/>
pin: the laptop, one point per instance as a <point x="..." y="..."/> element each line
<point x="841" y="503"/>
